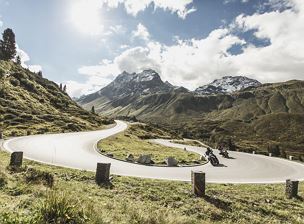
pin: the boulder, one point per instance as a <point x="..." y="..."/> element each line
<point x="110" y="155"/>
<point x="171" y="161"/>
<point x="130" y="158"/>
<point x="144" y="159"/>
<point x="202" y="157"/>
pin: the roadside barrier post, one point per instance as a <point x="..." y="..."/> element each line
<point x="198" y="180"/>
<point x="1" y="135"/>
<point x="102" y="173"/>
<point x="290" y="157"/>
<point x="253" y="152"/>
<point x="16" y="159"/>
<point x="270" y="154"/>
<point x="292" y="188"/>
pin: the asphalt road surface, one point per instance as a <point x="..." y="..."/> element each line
<point x="78" y="150"/>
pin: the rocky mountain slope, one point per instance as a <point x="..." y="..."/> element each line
<point x="227" y="84"/>
<point x="32" y="104"/>
<point x="254" y="117"/>
<point x="127" y="85"/>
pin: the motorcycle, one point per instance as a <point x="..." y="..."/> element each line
<point x="213" y="159"/>
<point x="224" y="153"/>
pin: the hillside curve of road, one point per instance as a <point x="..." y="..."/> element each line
<point x="78" y="150"/>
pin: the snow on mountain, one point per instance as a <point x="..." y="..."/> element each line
<point x="130" y="84"/>
<point x="227" y="84"/>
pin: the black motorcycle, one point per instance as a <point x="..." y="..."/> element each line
<point x="224" y="153"/>
<point x="213" y="159"/>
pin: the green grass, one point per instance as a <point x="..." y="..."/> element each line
<point x="131" y="142"/>
<point x="189" y="142"/>
<point x="76" y="197"/>
<point x="30" y="104"/>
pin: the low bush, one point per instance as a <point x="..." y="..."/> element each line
<point x="15" y="82"/>
<point x="59" y="208"/>
<point x="3" y="179"/>
<point x="36" y="176"/>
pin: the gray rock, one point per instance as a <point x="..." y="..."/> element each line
<point x="130" y="158"/>
<point x="202" y="157"/>
<point x="171" y="161"/>
<point x="110" y="155"/>
<point x="144" y="159"/>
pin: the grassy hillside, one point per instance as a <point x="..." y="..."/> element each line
<point x="254" y="118"/>
<point x="32" y="104"/>
<point x="29" y="196"/>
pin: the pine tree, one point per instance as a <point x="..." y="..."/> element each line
<point x="93" y="110"/>
<point x="8" y="45"/>
<point x="39" y="74"/>
<point x="1" y="54"/>
<point x="64" y="88"/>
<point x="18" y="60"/>
<point x="60" y="86"/>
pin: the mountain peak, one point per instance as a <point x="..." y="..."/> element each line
<point x="227" y="84"/>
<point x="129" y="84"/>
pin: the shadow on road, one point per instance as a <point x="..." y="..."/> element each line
<point x="221" y="165"/>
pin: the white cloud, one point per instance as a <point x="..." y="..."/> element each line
<point x="124" y="46"/>
<point x="35" y="68"/>
<point x="25" y="58"/>
<point x="195" y="62"/>
<point x="86" y="17"/>
<point x="141" y="32"/>
<point x="77" y="89"/>
<point x="133" y="7"/>
<point x="97" y="76"/>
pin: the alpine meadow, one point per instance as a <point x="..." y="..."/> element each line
<point x="151" y="112"/>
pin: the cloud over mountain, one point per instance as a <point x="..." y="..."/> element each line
<point x="195" y="62"/>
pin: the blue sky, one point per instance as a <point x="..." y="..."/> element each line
<point x="86" y="43"/>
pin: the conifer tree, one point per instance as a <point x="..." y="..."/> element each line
<point x="93" y="110"/>
<point x="18" y="60"/>
<point x="8" y="45"/>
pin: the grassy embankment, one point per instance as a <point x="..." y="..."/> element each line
<point x="30" y="196"/>
<point x="132" y="141"/>
<point x="31" y="104"/>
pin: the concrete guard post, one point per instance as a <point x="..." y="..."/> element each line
<point x="291" y="188"/>
<point x="198" y="180"/>
<point x="102" y="173"/>
<point x="16" y="159"/>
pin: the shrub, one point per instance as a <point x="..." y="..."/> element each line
<point x="273" y="149"/>
<point x="37" y="176"/>
<point x="59" y="208"/>
<point x="30" y="86"/>
<point x="26" y="116"/>
<point x="3" y="179"/>
<point x="15" y="82"/>
<point x="73" y="127"/>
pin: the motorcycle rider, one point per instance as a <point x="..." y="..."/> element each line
<point x="221" y="149"/>
<point x="209" y="151"/>
<point x="211" y="157"/>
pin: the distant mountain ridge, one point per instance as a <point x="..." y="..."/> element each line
<point x="252" y="114"/>
<point x="130" y="84"/>
<point x="227" y="84"/>
<point x="149" y="82"/>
